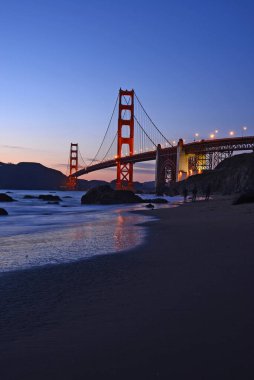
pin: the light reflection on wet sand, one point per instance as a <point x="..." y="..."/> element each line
<point x="113" y="232"/>
<point x="124" y="236"/>
<point x="36" y="233"/>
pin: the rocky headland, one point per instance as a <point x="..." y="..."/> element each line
<point x="233" y="175"/>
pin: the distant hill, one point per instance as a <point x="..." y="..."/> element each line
<point x="233" y="175"/>
<point x="35" y="176"/>
<point x="30" y="175"/>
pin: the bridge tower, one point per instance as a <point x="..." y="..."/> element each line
<point x="124" y="179"/>
<point x="72" y="181"/>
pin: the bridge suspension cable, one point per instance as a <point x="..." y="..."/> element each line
<point x="144" y="131"/>
<point x="109" y="152"/>
<point x="105" y="135"/>
<point x="146" y="134"/>
<point x="80" y="155"/>
<point x="149" y="126"/>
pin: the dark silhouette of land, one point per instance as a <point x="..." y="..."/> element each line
<point x="233" y="175"/>
<point x="34" y="176"/>
<point x="179" y="307"/>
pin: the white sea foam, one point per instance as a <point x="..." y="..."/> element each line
<point x="37" y="233"/>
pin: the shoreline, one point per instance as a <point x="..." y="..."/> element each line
<point x="90" y="234"/>
<point x="179" y="306"/>
<point x="145" y="224"/>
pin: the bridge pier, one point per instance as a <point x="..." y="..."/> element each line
<point x="124" y="179"/>
<point x="73" y="167"/>
<point x="159" y="180"/>
<point x="171" y="166"/>
<point x="182" y="164"/>
<point x="165" y="171"/>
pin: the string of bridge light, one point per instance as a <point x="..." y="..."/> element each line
<point x="147" y="136"/>
<point x="231" y="133"/>
<point x="149" y="127"/>
<point x="213" y="135"/>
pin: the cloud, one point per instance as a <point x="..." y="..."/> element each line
<point x="60" y="165"/>
<point x="15" y="147"/>
<point x="65" y="165"/>
<point x="145" y="165"/>
<point x="138" y="170"/>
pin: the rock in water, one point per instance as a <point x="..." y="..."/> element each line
<point x="121" y="196"/>
<point x="105" y="195"/>
<point x="3" y="212"/>
<point x="94" y="195"/>
<point x="5" y="198"/>
<point x="150" y="206"/>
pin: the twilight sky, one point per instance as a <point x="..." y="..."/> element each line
<point x="191" y="62"/>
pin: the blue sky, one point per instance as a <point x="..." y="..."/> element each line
<point x="62" y="63"/>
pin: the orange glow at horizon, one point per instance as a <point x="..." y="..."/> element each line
<point x="52" y="160"/>
<point x="110" y="175"/>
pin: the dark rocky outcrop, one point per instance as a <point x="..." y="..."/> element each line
<point x="95" y="194"/>
<point x="106" y="195"/>
<point x="233" y="175"/>
<point x="122" y="196"/>
<point x="50" y="198"/>
<point x="3" y="212"/>
<point x="150" y="206"/>
<point x="6" y="198"/>
<point x="244" y="198"/>
<point x="28" y="196"/>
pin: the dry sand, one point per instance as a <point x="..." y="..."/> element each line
<point x="179" y="307"/>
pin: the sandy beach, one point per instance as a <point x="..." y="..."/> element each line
<point x="178" y="307"/>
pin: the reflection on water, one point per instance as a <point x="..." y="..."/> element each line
<point x="36" y="233"/>
<point x="111" y="232"/>
<point x="124" y="235"/>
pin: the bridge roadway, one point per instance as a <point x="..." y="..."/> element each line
<point x="195" y="147"/>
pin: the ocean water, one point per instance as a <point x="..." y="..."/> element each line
<point x="38" y="233"/>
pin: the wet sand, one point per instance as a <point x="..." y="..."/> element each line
<point x="179" y="307"/>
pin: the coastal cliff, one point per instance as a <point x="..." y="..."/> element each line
<point x="233" y="175"/>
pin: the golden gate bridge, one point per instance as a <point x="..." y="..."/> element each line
<point x="132" y="136"/>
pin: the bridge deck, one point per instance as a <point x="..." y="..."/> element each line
<point x="195" y="147"/>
